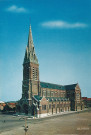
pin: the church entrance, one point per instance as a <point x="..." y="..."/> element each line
<point x="25" y="108"/>
<point x="34" y="111"/>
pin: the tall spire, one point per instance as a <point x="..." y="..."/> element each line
<point x="30" y="39"/>
<point x="30" y="55"/>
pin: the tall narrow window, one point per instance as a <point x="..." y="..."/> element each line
<point x="48" y="93"/>
<point x="52" y="94"/>
<point x="33" y="72"/>
<point x="44" y="93"/>
<point x="49" y="106"/>
<point x="43" y="107"/>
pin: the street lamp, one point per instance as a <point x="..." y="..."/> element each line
<point x="26" y="127"/>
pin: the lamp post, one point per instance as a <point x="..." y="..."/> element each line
<point x="26" y="127"/>
<point x="52" y="106"/>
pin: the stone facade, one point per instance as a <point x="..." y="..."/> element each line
<point x="41" y="98"/>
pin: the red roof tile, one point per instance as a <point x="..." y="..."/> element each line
<point x="89" y="99"/>
<point x="84" y="98"/>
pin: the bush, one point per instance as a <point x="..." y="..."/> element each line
<point x="7" y="108"/>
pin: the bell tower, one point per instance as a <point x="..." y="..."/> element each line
<point x="30" y="84"/>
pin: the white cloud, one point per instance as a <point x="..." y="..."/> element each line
<point x="62" y="24"/>
<point x="16" y="9"/>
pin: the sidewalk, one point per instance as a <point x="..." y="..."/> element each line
<point x="59" y="114"/>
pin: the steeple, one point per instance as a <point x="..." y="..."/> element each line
<point x="30" y="55"/>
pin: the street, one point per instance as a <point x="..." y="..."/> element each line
<point x="77" y="123"/>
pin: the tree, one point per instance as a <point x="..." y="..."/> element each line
<point x="14" y="109"/>
<point x="6" y="108"/>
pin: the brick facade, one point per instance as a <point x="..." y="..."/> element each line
<point x="86" y="102"/>
<point x="45" y="98"/>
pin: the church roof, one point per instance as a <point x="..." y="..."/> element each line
<point x="56" y="86"/>
<point x="70" y="87"/>
<point x="52" y="86"/>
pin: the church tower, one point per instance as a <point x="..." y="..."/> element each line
<point x="30" y="84"/>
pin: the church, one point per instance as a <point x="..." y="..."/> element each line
<point x="43" y="98"/>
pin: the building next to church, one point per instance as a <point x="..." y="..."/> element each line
<point x="2" y="105"/>
<point x="87" y="102"/>
<point x="42" y="98"/>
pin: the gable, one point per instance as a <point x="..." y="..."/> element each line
<point x="43" y="99"/>
<point x="37" y="97"/>
<point x="77" y="87"/>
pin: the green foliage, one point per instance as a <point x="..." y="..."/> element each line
<point x="14" y="109"/>
<point x="7" y="108"/>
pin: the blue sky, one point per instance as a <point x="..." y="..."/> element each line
<point x="62" y="37"/>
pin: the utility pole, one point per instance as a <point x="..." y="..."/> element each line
<point x="26" y="127"/>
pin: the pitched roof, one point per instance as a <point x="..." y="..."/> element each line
<point x="11" y="102"/>
<point x="37" y="97"/>
<point x="70" y="87"/>
<point x="56" y="86"/>
<point x="84" y="98"/>
<point x="89" y="99"/>
<point x="52" y="86"/>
